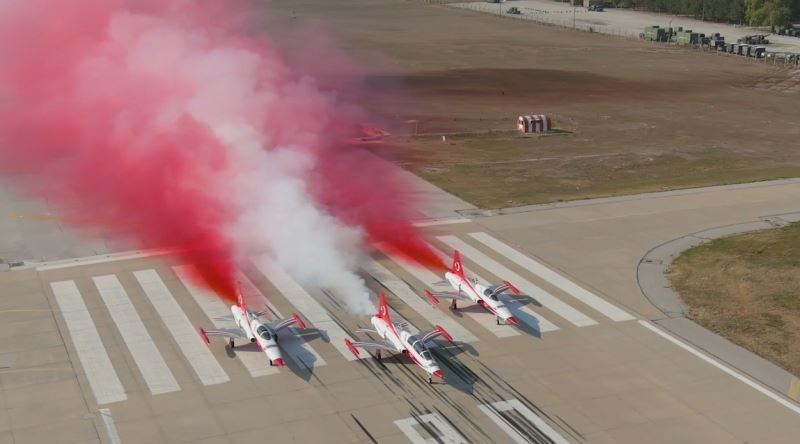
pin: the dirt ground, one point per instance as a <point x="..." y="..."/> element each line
<point x="747" y="289"/>
<point x="632" y="116"/>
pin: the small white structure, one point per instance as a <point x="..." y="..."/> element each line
<point x="535" y="123"/>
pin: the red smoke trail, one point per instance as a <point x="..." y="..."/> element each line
<point x="76" y="117"/>
<point x="120" y="113"/>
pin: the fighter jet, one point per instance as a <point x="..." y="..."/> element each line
<point x="251" y="328"/>
<point x="397" y="339"/>
<point x="468" y="289"/>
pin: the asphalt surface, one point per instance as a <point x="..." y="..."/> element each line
<point x="105" y="349"/>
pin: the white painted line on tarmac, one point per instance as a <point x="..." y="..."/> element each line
<point x="527" y="287"/>
<point x="297" y="348"/>
<point x="441" y="431"/>
<point x="154" y="370"/>
<point x="407" y="295"/>
<point x="609" y="310"/>
<point x="96" y="364"/>
<point x="445" y="221"/>
<point x="254" y="360"/>
<point x="769" y="393"/>
<point x="111" y="428"/>
<point x="304" y="303"/>
<point x="104" y="258"/>
<point x="478" y="314"/>
<point x="183" y="332"/>
<point x="493" y="412"/>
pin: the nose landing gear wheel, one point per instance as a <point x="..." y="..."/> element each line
<point x="378" y="355"/>
<point x="453" y="305"/>
<point x="430" y="380"/>
<point x="271" y="364"/>
<point x="497" y="320"/>
<point x="231" y="343"/>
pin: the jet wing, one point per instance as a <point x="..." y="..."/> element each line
<point x="355" y="345"/>
<point x="435" y="333"/>
<point x="225" y="333"/>
<point x="295" y="319"/>
<point x="502" y="288"/>
<point x="434" y="296"/>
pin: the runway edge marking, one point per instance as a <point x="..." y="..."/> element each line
<point x="587" y="297"/>
<point x="769" y="393"/>
<point x="100" y="373"/>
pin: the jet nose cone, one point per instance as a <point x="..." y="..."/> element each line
<point x="512" y="320"/>
<point x="279" y="362"/>
<point x="438" y="374"/>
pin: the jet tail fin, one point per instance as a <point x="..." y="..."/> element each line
<point x="383" y="309"/>
<point x="458" y="267"/>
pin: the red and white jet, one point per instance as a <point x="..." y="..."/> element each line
<point x="250" y="327"/>
<point x="397" y="339"/>
<point x="468" y="289"/>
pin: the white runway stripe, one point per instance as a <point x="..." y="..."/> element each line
<point x="526" y="287"/>
<point x="523" y="313"/>
<point x="478" y="314"/>
<point x="253" y="359"/>
<point x="407" y="295"/>
<point x="560" y="282"/>
<point x="305" y="304"/>
<point x="154" y="370"/>
<point x="297" y="348"/>
<point x="96" y="364"/>
<point x="494" y="410"/>
<point x="183" y="332"/>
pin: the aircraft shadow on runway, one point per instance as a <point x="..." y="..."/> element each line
<point x="304" y="369"/>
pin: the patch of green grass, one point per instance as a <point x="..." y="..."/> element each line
<point x="747" y="288"/>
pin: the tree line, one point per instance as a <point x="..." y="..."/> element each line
<point x="752" y="12"/>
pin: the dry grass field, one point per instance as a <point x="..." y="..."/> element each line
<point x="635" y="116"/>
<point x="747" y="288"/>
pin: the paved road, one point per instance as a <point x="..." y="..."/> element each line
<point x="81" y="342"/>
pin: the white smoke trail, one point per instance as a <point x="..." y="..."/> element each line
<point x="231" y="90"/>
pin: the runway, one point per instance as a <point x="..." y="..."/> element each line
<point x="108" y="351"/>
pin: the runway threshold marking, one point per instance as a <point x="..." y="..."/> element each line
<point x="100" y="373"/>
<point x="431" y="314"/>
<point x="183" y="332"/>
<point x="297" y="348"/>
<point x="438" y="428"/>
<point x="254" y="360"/>
<point x="573" y="315"/>
<point x="154" y="370"/>
<point x="769" y="393"/>
<point x="305" y="303"/>
<point x="567" y="286"/>
<point x="494" y="409"/>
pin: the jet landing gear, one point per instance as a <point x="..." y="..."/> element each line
<point x="497" y="320"/>
<point x="230" y="342"/>
<point x="430" y="380"/>
<point x="377" y="355"/>
<point x="453" y="305"/>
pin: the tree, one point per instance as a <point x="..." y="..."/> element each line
<point x="768" y="12"/>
